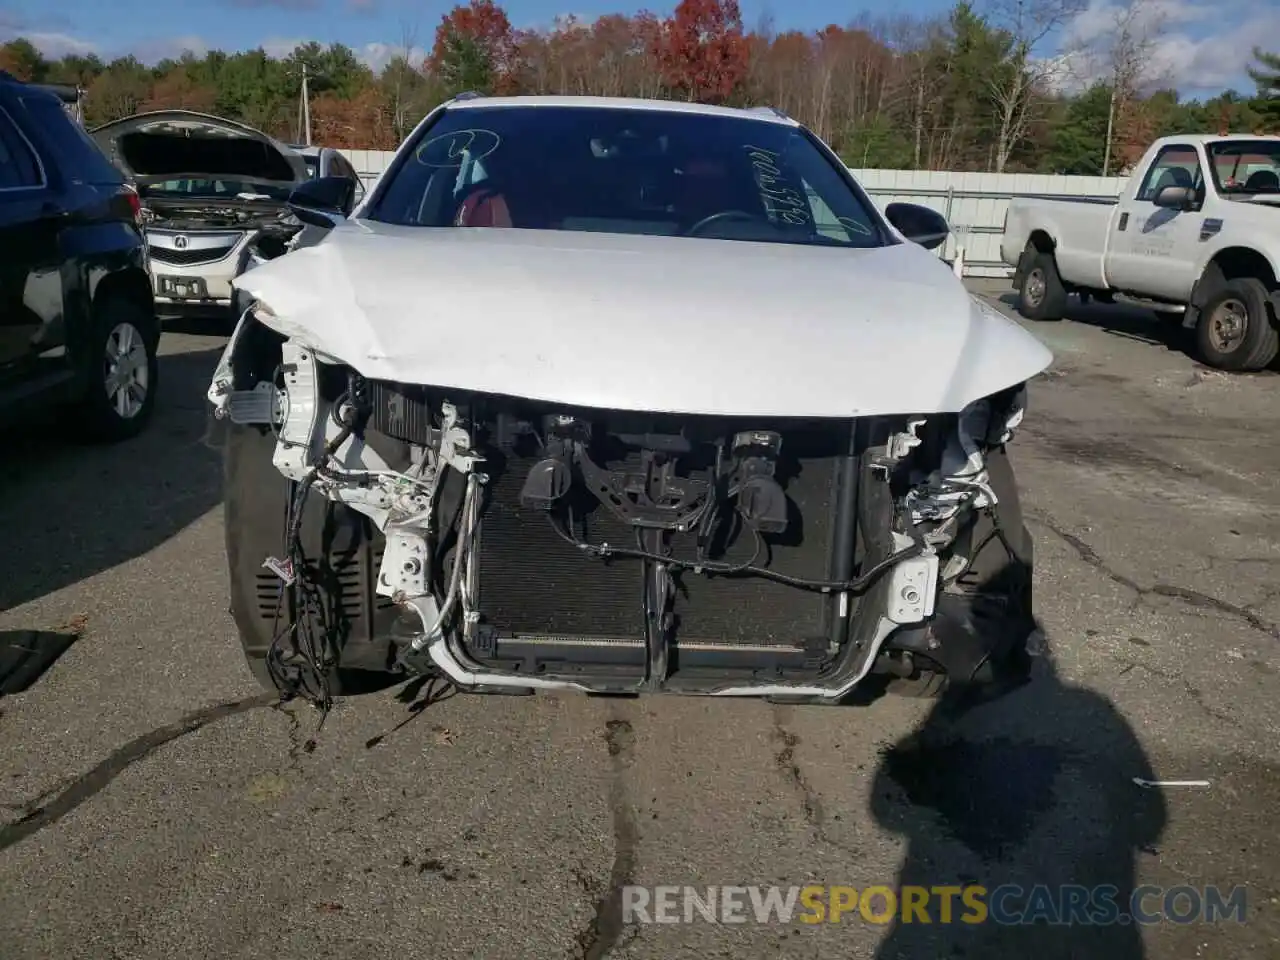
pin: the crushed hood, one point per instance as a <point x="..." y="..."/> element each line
<point x="648" y="323"/>
<point x="174" y="144"/>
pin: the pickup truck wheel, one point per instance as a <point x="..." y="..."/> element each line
<point x="1042" y="295"/>
<point x="123" y="372"/>
<point x="1236" y="330"/>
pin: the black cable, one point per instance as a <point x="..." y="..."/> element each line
<point x="309" y="605"/>
<point x="314" y="687"/>
<point x="856" y="585"/>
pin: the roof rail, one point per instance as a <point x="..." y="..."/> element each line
<point x="770" y="110"/>
<point x="469" y="95"/>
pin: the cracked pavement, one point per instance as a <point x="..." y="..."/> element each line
<point x="155" y="804"/>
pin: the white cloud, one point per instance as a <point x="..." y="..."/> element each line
<point x="1100" y="18"/>
<point x="1192" y="46"/>
<point x="281" y="46"/>
<point x="56" y="45"/>
<point x="168" y="48"/>
<point x="149" y="50"/>
<point x="376" y="56"/>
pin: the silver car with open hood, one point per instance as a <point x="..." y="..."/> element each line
<point x="214" y="195"/>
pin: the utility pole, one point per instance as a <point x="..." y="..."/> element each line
<point x="306" y="104"/>
<point x="1111" y="114"/>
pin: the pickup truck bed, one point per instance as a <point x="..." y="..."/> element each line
<point x="1195" y="234"/>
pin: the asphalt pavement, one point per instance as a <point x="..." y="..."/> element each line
<point x="156" y="804"/>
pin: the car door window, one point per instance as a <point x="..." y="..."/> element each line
<point x="1177" y="165"/>
<point x="19" y="168"/>
<point x="339" y="166"/>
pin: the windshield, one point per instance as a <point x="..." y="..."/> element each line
<point x="1246" y="166"/>
<point x="193" y="189"/>
<point x="620" y="170"/>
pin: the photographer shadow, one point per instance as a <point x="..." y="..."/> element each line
<point x="1034" y="789"/>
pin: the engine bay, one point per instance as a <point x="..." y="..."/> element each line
<point x="190" y="214"/>
<point x="531" y="546"/>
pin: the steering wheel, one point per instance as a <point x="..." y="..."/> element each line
<point x="722" y="215"/>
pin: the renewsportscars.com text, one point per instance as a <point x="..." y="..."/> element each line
<point x="1008" y="904"/>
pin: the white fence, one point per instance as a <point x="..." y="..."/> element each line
<point x="973" y="203"/>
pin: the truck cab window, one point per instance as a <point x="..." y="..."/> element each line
<point x="1174" y="166"/>
<point x="1242" y="167"/>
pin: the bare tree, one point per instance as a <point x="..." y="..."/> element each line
<point x="1125" y="50"/>
<point x="405" y="83"/>
<point x="1018" y="85"/>
<point x="906" y="95"/>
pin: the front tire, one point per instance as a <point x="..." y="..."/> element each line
<point x="124" y="372"/>
<point x="1236" y="330"/>
<point x="1041" y="295"/>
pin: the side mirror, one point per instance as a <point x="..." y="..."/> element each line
<point x="325" y="202"/>
<point x="919" y="224"/>
<point x="1175" y="198"/>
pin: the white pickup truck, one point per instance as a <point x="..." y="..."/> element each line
<point x="1196" y="233"/>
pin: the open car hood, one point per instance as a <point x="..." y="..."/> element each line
<point x="175" y="144"/>
<point x="663" y="324"/>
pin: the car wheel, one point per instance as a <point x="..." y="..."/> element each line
<point x="1236" y="330"/>
<point x="1041" y="295"/>
<point x="123" y="372"/>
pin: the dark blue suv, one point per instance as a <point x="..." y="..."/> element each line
<point x="77" y="320"/>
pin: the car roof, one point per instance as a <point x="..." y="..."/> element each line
<point x="764" y="114"/>
<point x="1210" y="138"/>
<point x="64" y="92"/>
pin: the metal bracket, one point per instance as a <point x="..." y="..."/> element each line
<point x="653" y="496"/>
<point x="404" y="565"/>
<point x="455" y="442"/>
<point x="301" y="437"/>
<point x="896" y="448"/>
<point x="913" y="588"/>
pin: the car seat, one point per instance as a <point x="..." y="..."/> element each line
<point x="1261" y="180"/>
<point x="483" y="206"/>
<point x="1174" y="177"/>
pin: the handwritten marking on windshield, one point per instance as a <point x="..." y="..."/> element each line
<point x="453" y="149"/>
<point x="779" y="200"/>
<point x="853" y="226"/>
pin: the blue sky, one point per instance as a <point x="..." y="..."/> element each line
<point x="1200" y="50"/>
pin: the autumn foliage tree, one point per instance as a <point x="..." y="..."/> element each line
<point x="21" y="59"/>
<point x="954" y="91"/>
<point x="179" y="90"/>
<point x="702" y="51"/>
<point x="363" y="122"/>
<point x="474" y="49"/>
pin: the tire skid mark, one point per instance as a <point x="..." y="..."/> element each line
<point x="87" y="785"/>
<point x="604" y="930"/>
<point x="810" y="802"/>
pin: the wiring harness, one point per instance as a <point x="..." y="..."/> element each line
<point x="310" y="629"/>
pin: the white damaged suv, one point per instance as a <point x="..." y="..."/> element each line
<point x="623" y="396"/>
